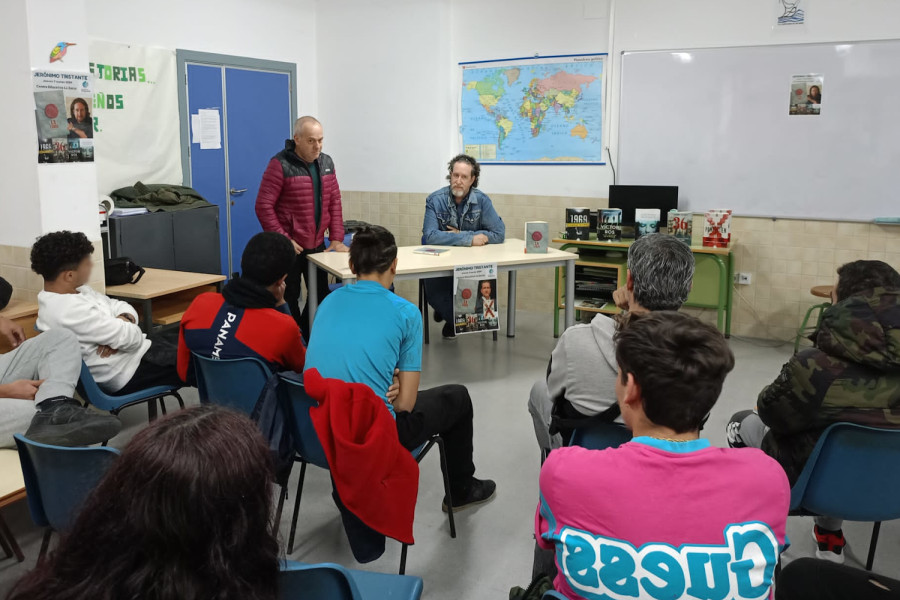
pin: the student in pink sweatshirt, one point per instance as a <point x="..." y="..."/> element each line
<point x="665" y="515"/>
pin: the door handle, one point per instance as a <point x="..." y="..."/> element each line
<point x="234" y="191"/>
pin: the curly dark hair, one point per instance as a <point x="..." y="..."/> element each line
<point x="184" y="513"/>
<point x="59" y="251"/>
<point x="476" y="168"/>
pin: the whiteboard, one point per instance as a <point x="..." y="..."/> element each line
<point x="716" y="123"/>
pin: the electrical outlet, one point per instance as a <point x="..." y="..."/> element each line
<point x="743" y="278"/>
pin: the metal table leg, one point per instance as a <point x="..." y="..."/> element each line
<point x="570" y="293"/>
<point x="147" y="309"/>
<point x="312" y="300"/>
<point x="511" y="306"/>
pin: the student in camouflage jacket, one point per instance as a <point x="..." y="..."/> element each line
<point x="851" y="374"/>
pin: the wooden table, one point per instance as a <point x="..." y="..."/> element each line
<point x="509" y="256"/>
<point x="713" y="275"/>
<point x="22" y="313"/>
<point x="171" y="291"/>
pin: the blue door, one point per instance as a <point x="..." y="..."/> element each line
<point x="255" y="119"/>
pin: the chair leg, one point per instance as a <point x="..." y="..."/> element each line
<point x="277" y="524"/>
<point x="296" y="507"/>
<point x="151" y="410"/>
<point x="162" y="404"/>
<point x="876" y="528"/>
<point x="45" y="544"/>
<point x="403" y="559"/>
<point x="10" y="546"/>
<point x="178" y="397"/>
<point x="444" y="470"/>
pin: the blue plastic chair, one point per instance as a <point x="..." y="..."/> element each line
<point x="310" y="451"/>
<point x="599" y="436"/>
<point x="853" y="473"/>
<point x="328" y="581"/>
<point x="234" y="383"/>
<point x="58" y="479"/>
<point x="91" y="392"/>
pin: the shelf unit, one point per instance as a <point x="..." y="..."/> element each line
<point x="600" y="301"/>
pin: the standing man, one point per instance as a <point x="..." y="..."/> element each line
<point x="299" y="198"/>
<point x="458" y="215"/>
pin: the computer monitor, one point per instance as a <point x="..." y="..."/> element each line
<point x="630" y="197"/>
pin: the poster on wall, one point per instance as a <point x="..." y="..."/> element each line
<point x="806" y="94"/>
<point x="533" y="110"/>
<point x="135" y="115"/>
<point x="475" y="306"/>
<point x="62" y="102"/>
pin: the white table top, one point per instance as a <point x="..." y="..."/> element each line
<point x="508" y="256"/>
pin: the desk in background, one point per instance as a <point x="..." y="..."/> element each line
<point x="712" y="288"/>
<point x="23" y="313"/>
<point x="510" y="257"/>
<point x="162" y="296"/>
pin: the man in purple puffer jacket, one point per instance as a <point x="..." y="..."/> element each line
<point x="299" y="197"/>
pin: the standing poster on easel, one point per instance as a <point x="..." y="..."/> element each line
<point x="475" y="306"/>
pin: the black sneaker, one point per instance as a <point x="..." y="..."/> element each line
<point x="438" y="317"/>
<point x="64" y="422"/>
<point x="478" y="492"/>
<point x="829" y="544"/>
<point x="449" y="332"/>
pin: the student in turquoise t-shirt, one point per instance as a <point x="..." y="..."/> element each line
<point x="364" y="332"/>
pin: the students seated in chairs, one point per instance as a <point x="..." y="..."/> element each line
<point x="37" y="382"/>
<point x="363" y="332"/>
<point x="184" y="513"/>
<point x="666" y="514"/>
<point x="852" y="374"/>
<point x="580" y="381"/>
<point x="250" y="318"/>
<point x="121" y="358"/>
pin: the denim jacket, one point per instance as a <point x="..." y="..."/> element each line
<point x="478" y="216"/>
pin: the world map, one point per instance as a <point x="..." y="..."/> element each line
<point x="536" y="110"/>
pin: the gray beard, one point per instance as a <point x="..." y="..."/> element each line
<point x="457" y="193"/>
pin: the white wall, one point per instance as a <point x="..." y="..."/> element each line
<point x="20" y="211"/>
<point x="282" y="30"/>
<point x="388" y="85"/>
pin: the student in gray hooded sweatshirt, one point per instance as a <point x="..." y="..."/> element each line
<point x="581" y="377"/>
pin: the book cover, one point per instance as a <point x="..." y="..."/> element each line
<point x="681" y="225"/>
<point x="717" y="228"/>
<point x="646" y="220"/>
<point x="578" y="223"/>
<point x="537" y="236"/>
<point x="610" y="227"/>
<point x="430" y="251"/>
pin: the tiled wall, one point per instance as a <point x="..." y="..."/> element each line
<point x="785" y="257"/>
<point x="15" y="267"/>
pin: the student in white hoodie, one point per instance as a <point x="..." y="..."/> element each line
<point x="119" y="355"/>
<point x="581" y="377"/>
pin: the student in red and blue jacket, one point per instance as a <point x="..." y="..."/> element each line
<point x="250" y="316"/>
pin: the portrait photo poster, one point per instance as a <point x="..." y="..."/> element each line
<point x="475" y="306"/>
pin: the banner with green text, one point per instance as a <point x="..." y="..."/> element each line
<point x="135" y="114"/>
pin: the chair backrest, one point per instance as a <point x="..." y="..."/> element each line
<point x="91" y="392"/>
<point x="553" y="595"/>
<point x="306" y="440"/>
<point x="853" y="473"/>
<point x="58" y="479"/>
<point x="598" y="436"/>
<point x="235" y="383"/>
<point x="325" y="581"/>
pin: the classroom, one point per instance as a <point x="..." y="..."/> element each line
<point x="584" y="299"/>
